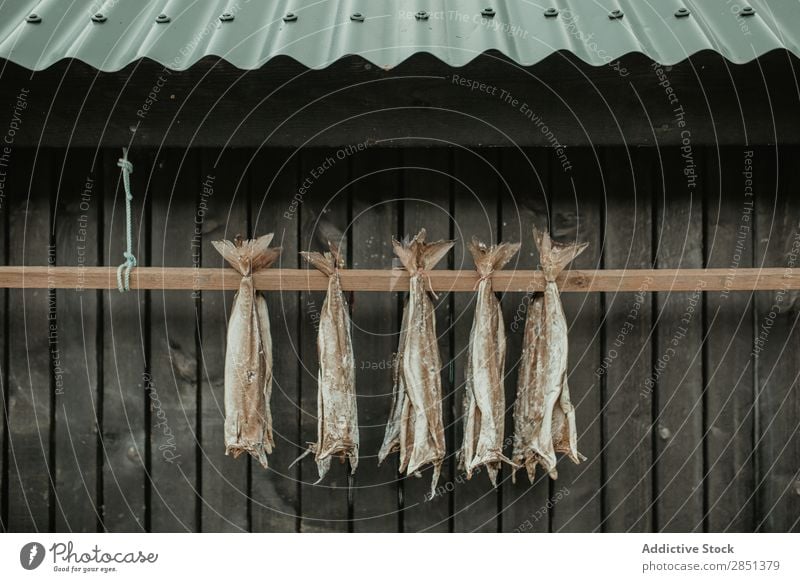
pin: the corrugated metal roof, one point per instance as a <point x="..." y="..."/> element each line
<point x="110" y="34"/>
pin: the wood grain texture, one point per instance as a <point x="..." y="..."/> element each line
<point x="586" y="105"/>
<point x="721" y="455"/>
<point x="325" y="506"/>
<point x="578" y="207"/>
<point x="524" y="205"/>
<point x="4" y="343"/>
<point x="224" y="486"/>
<point x="172" y="390"/>
<point x="31" y="315"/>
<point x="379" y="280"/>
<point x="375" y="190"/>
<point x="427" y="187"/>
<point x="124" y="357"/>
<point x="626" y="361"/>
<point x="729" y="409"/>
<point x="275" y="493"/>
<point x="78" y="228"/>
<point x="476" y="177"/>
<point x="777" y="333"/>
<point x="678" y="365"/>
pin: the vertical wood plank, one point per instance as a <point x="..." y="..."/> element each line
<point x="427" y="187"/>
<point x="476" y="188"/>
<point x="375" y="191"/>
<point x="172" y="390"/>
<point x="626" y="359"/>
<point x="678" y="365"/>
<point x="125" y="340"/>
<point x="777" y="335"/>
<point x="222" y="212"/>
<point x="78" y="229"/>
<point x="323" y="214"/>
<point x="526" y="175"/>
<point x="729" y="414"/>
<point x="4" y="343"/>
<point x="29" y="403"/>
<point x="276" y="492"/>
<point x="577" y="202"/>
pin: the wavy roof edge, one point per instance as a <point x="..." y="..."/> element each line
<point x="213" y="60"/>
<point x="109" y="35"/>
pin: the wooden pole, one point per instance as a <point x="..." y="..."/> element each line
<point x="609" y="280"/>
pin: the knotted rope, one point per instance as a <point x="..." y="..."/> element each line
<point x="124" y="270"/>
<point x="481" y="279"/>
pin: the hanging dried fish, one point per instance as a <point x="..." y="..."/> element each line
<point x="484" y="401"/>
<point x="415" y="426"/>
<point x="544" y="418"/>
<point x="248" y="357"/>
<point x="337" y="418"/>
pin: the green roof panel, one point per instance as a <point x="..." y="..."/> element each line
<point x="111" y="34"/>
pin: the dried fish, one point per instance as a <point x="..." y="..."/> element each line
<point x="415" y="426"/>
<point x="544" y="418"/>
<point x="248" y="357"/>
<point x="337" y="418"/>
<point x="484" y="401"/>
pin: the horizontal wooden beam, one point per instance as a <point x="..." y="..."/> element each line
<point x="609" y="280"/>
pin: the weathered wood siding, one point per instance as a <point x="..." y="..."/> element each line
<point x="688" y="403"/>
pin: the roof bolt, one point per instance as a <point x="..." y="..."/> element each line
<point x="551" y="13"/>
<point x="615" y="14"/>
<point x="33" y="18"/>
<point x="421" y="15"/>
<point x="664" y="433"/>
<point x="488" y="12"/>
<point x="747" y="11"/>
<point x="290" y="17"/>
<point x="162" y="18"/>
<point x="99" y="17"/>
<point x="681" y="12"/>
<point x="226" y="17"/>
<point x="357" y="17"/>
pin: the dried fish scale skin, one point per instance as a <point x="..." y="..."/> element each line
<point x="484" y="402"/>
<point x="415" y="426"/>
<point x="544" y="418"/>
<point x="421" y="366"/>
<point x="248" y="356"/>
<point x="337" y="415"/>
<point x="527" y="406"/>
<point x="391" y="440"/>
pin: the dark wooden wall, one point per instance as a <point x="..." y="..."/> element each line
<point x="113" y="403"/>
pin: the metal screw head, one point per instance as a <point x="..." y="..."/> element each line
<point x="226" y="17"/>
<point x="162" y="18"/>
<point x="615" y="14"/>
<point x="421" y="15"/>
<point x="357" y="17"/>
<point x="488" y="12"/>
<point x="747" y="11"/>
<point x="290" y="17"/>
<point x="99" y="17"/>
<point x="33" y="18"/>
<point x="551" y="12"/>
<point x="682" y="12"/>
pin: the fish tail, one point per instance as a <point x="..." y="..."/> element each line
<point x="416" y="254"/>
<point x="248" y="256"/>
<point x="555" y="256"/>
<point x="325" y="262"/>
<point x="491" y="258"/>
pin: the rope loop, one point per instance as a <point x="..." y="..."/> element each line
<point x="124" y="270"/>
